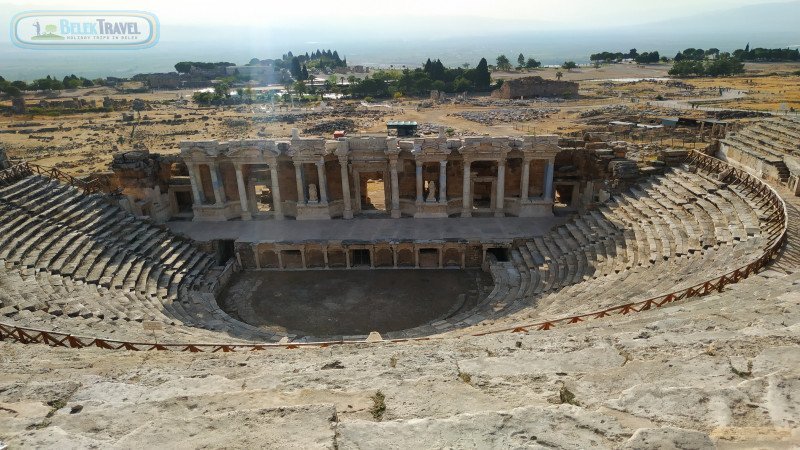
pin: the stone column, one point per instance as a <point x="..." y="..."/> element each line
<point x="526" y="175"/>
<point x="395" y="189"/>
<point x="466" y="201"/>
<point x="256" y="255"/>
<point x="419" y="182"/>
<point x="219" y="192"/>
<point x="323" y="182"/>
<point x="277" y="204"/>
<point x="246" y="215"/>
<point x="501" y="188"/>
<point x="298" y="176"/>
<point x="443" y="182"/>
<point x="197" y="187"/>
<point x="357" y="189"/>
<point x="548" y="180"/>
<point x="348" y="208"/>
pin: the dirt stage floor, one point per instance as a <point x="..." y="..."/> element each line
<point x="351" y="302"/>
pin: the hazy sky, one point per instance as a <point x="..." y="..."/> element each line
<point x="556" y="13"/>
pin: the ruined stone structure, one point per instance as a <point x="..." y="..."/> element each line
<point x="769" y="148"/>
<point x="647" y="320"/>
<point x="420" y="177"/>
<point x="153" y="185"/>
<point x="529" y="87"/>
<point x="582" y="326"/>
<point x="98" y="268"/>
<point x="18" y="105"/>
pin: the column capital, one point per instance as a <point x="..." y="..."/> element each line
<point x="443" y="162"/>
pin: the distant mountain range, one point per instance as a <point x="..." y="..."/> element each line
<point x="747" y="21"/>
<point x="462" y="39"/>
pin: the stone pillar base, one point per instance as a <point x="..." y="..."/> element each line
<point x="313" y="211"/>
<point x="395" y="214"/>
<point x="347" y="214"/>
<point x="536" y="208"/>
<point x="431" y="211"/>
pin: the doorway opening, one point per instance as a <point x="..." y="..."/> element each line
<point x="499" y="253"/>
<point x="373" y="192"/>
<point x="360" y="258"/>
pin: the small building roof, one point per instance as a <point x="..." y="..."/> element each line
<point x="401" y="123"/>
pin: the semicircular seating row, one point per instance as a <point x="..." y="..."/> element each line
<point x="78" y="264"/>
<point x="667" y="233"/>
<point x="774" y="138"/>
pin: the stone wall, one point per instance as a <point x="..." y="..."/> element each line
<point x="143" y="178"/>
<point x="536" y="87"/>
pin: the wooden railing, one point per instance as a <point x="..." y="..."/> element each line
<point x="25" y="169"/>
<point x="776" y="227"/>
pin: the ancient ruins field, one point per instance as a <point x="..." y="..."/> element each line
<point x="82" y="143"/>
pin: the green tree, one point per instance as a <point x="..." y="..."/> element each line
<point x="481" y="78"/>
<point x="569" y="65"/>
<point x="12" y="90"/>
<point x="503" y="63"/>
<point x="183" y="67"/>
<point x="204" y="98"/>
<point x="461" y="84"/>
<point x="520" y="61"/>
<point x="559" y="74"/>
<point x="300" y="87"/>
<point x="296" y="70"/>
<point x="222" y="89"/>
<point x="532" y="64"/>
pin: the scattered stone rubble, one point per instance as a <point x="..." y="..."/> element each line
<point x="329" y="126"/>
<point x="494" y="116"/>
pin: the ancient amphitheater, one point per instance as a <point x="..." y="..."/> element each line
<point x="658" y="310"/>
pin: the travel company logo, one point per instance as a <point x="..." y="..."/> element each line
<point x="84" y="29"/>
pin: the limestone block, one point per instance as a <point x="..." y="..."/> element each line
<point x="669" y="438"/>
